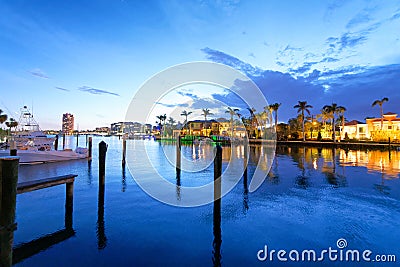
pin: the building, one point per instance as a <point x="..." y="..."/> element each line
<point x="201" y="127"/>
<point x="130" y="128"/>
<point x="355" y="130"/>
<point x="68" y="124"/>
<point x="103" y="130"/>
<point x="390" y="128"/>
<point x="375" y="129"/>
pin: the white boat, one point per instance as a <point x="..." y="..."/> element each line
<point x="33" y="146"/>
<point x="29" y="136"/>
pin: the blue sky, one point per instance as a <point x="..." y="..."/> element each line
<point x="89" y="57"/>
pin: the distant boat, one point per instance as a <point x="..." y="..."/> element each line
<point x="29" y="136"/>
<point x="33" y="146"/>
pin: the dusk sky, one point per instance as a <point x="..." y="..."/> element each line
<point x="90" y="57"/>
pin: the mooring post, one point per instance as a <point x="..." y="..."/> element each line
<point x="69" y="205"/>
<point x="101" y="238"/>
<point x="77" y="139"/>
<point x="217" y="208"/>
<point x="102" y="162"/>
<point x="90" y="149"/>
<point x="8" y="196"/>
<point x="389" y="143"/>
<point x="64" y="141"/>
<point x="86" y="136"/>
<point x="217" y="172"/>
<point x="56" y="143"/>
<point x="13" y="148"/>
<point x="178" y="153"/>
<point x="123" y="151"/>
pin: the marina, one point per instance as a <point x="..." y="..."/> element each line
<point x="310" y="198"/>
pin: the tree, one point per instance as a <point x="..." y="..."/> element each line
<point x="275" y="108"/>
<point x="3" y="117"/>
<point x="333" y="110"/>
<point x="301" y="107"/>
<point x="186" y="114"/>
<point x="161" y="118"/>
<point x="232" y="112"/>
<point x="171" y="121"/>
<point x="380" y="103"/>
<point x="11" y="124"/>
<point x="206" y="112"/>
<point x="342" y="119"/>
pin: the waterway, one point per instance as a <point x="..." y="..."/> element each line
<point x="311" y="198"/>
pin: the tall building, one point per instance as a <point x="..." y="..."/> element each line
<point x="68" y="124"/>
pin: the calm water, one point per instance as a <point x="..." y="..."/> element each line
<point x="310" y="199"/>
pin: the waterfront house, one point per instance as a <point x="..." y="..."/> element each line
<point x="390" y="127"/>
<point x="201" y="127"/>
<point x="355" y="130"/>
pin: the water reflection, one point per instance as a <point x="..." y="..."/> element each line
<point x="89" y="170"/>
<point x="178" y="184"/>
<point x="385" y="162"/>
<point x="123" y="189"/>
<point x="100" y="225"/>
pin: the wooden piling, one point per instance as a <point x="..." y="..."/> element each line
<point x="217" y="172"/>
<point x="102" y="162"/>
<point x="77" y="139"/>
<point x="64" y="141"/>
<point x="100" y="231"/>
<point x="123" y="151"/>
<point x="8" y="193"/>
<point x="216" y="258"/>
<point x="178" y="153"/>
<point x="69" y="204"/>
<point x="13" y="148"/>
<point x="90" y="149"/>
<point x="56" y="143"/>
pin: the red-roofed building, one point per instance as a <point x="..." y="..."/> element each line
<point x="391" y="127"/>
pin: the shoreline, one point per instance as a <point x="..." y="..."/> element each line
<point x="343" y="145"/>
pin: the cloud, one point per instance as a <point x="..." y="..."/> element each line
<point x="172" y="105"/>
<point x="347" y="40"/>
<point x="395" y="16"/>
<point x="38" y="73"/>
<point x="332" y="7"/>
<point x="354" y="87"/>
<point x="221" y="57"/>
<point x="188" y="94"/>
<point x="361" y="18"/>
<point x="62" y="89"/>
<point x="205" y="103"/>
<point x="95" y="91"/>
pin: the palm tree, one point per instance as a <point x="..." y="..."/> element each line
<point x="186" y="114"/>
<point x="333" y="110"/>
<point x="161" y="118"/>
<point x="341" y="111"/>
<point x="3" y="117"/>
<point x="275" y="108"/>
<point x="232" y="112"/>
<point x="206" y="112"/>
<point x="380" y="103"/>
<point x="301" y="107"/>
<point x="11" y="124"/>
<point x="171" y="121"/>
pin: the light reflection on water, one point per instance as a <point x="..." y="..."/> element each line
<point x="311" y="197"/>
